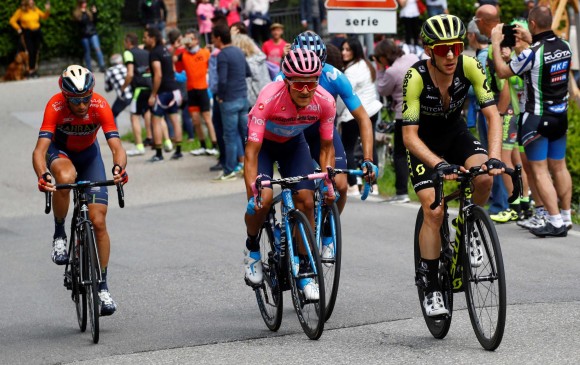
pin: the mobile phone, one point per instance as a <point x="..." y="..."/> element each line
<point x="186" y="40"/>
<point x="509" y="35"/>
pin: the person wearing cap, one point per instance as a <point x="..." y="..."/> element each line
<point x="274" y="47"/>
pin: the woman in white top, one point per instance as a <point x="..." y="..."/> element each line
<point x="361" y="74"/>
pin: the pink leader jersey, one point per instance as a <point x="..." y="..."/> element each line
<point x="275" y="117"/>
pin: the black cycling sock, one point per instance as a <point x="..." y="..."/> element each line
<point x="432" y="274"/>
<point x="202" y="143"/>
<point x="103" y="284"/>
<point x="177" y="147"/>
<point x="252" y="243"/>
<point x="59" y="227"/>
<point x="158" y="152"/>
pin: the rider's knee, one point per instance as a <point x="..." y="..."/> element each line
<point x="65" y="176"/>
<point x="99" y="223"/>
<point x="305" y="202"/>
<point x="433" y="217"/>
<point x="483" y="183"/>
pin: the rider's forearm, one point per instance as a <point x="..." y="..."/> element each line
<point x="250" y="168"/>
<point x="326" y="154"/>
<point x="419" y="149"/>
<point x="365" y="127"/>
<point x="494" y="132"/>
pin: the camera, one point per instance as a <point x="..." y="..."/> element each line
<point x="186" y="40"/>
<point x="509" y="35"/>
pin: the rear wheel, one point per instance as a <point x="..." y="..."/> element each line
<point x="330" y="227"/>
<point x="310" y="312"/>
<point x="269" y="294"/>
<point x="484" y="279"/>
<point x="438" y="326"/>
<point x="92" y="277"/>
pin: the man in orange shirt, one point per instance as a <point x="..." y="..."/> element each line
<point x="195" y="61"/>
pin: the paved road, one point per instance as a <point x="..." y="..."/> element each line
<point x="176" y="274"/>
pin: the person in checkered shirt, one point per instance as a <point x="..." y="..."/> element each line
<point x="114" y="80"/>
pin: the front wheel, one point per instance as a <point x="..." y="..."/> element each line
<point x="269" y="294"/>
<point x="310" y="312"/>
<point x="484" y="279"/>
<point x="438" y="326"/>
<point x="79" y="295"/>
<point x="91" y="278"/>
<point x="331" y="255"/>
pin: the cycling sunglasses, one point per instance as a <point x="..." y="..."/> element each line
<point x="79" y="100"/>
<point x="442" y="49"/>
<point x="300" y="85"/>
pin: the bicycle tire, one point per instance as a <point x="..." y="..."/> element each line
<point x="269" y="294"/>
<point x="438" y="326"/>
<point x="91" y="277"/>
<point x="79" y="296"/>
<point x="310" y="314"/>
<point x="485" y="288"/>
<point x="331" y="267"/>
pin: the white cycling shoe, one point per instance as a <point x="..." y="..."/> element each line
<point x="434" y="304"/>
<point x="310" y="289"/>
<point x="253" y="268"/>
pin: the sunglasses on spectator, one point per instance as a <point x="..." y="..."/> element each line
<point x="80" y="100"/>
<point x="300" y="85"/>
<point x="443" y="49"/>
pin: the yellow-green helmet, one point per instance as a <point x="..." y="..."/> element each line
<point x="442" y="27"/>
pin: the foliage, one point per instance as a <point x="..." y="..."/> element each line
<point x="60" y="33"/>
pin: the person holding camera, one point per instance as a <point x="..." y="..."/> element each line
<point x="544" y="123"/>
<point x="87" y="20"/>
<point x="392" y="66"/>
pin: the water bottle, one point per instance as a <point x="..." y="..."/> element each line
<point x="277" y="234"/>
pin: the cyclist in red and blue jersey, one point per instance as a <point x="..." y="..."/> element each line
<point x="283" y="110"/>
<point x="67" y="151"/>
<point x="336" y="83"/>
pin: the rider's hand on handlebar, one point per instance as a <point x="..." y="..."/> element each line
<point x="45" y="183"/>
<point x="120" y="175"/>
<point x="449" y="172"/>
<point x="369" y="168"/>
<point x="493" y="166"/>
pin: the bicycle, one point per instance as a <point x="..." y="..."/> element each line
<point x="327" y="226"/>
<point x="84" y="276"/>
<point x="282" y="268"/>
<point x="475" y="268"/>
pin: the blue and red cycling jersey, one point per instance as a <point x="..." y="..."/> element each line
<point x="72" y="133"/>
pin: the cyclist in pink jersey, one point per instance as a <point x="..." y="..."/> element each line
<point x="275" y="124"/>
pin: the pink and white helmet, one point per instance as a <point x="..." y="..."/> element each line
<point x="301" y="63"/>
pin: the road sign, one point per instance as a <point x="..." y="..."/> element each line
<point x="362" y="21"/>
<point x="361" y="4"/>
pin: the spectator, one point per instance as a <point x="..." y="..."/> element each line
<point x="362" y="75"/>
<point x="392" y="66"/>
<point x="153" y="14"/>
<point x="238" y="28"/>
<point x="337" y="40"/>
<point x="529" y="6"/>
<point x="114" y="79"/>
<point x="176" y="47"/>
<point x="257" y="11"/>
<point x="334" y="56"/>
<point x="409" y="15"/>
<point x="273" y="48"/>
<point x="257" y="62"/>
<point x="195" y="61"/>
<point x="165" y="97"/>
<point x="87" y="20"/>
<point x="26" y="21"/>
<point x="487" y="17"/>
<point x="544" y="123"/>
<point x="231" y="10"/>
<point x="232" y="93"/>
<point x="312" y="15"/>
<point x="479" y="43"/>
<point x="205" y="12"/>
<point x="436" y="7"/>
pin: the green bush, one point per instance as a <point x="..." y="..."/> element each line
<point x="60" y="34"/>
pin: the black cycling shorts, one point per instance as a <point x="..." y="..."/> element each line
<point x="462" y="146"/>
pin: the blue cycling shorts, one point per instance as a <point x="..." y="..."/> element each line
<point x="89" y="165"/>
<point x="312" y="135"/>
<point x="542" y="148"/>
<point x="292" y="156"/>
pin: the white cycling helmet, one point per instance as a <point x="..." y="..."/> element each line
<point x="76" y="81"/>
